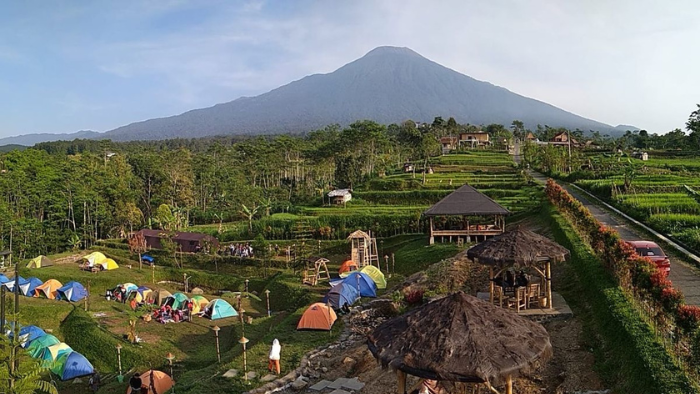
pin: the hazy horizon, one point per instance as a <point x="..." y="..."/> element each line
<point x="101" y="65"/>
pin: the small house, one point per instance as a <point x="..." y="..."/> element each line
<point x="530" y="137"/>
<point x="644" y="156"/>
<point x="186" y="242"/>
<point x="340" y="196"/>
<point x="562" y="138"/>
<point x="474" y="139"/>
<point x="408" y="167"/>
<point x="448" y="144"/>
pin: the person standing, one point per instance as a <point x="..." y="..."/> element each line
<point x="135" y="383"/>
<point x="275" y="356"/>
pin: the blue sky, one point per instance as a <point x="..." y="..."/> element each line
<point x="75" y="65"/>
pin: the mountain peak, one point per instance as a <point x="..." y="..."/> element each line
<point x="389" y="50"/>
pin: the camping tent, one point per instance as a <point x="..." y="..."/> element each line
<point x="72" y="291"/>
<point x="40" y="262"/>
<point x="10" y="285"/>
<point x="3" y="279"/>
<point x="147" y="258"/>
<point x="72" y="365"/>
<point x="160" y="295"/>
<point x="161" y="382"/>
<point x="198" y="302"/>
<point x="53" y="352"/>
<point x="37" y="346"/>
<point x="219" y="309"/>
<point x="342" y="294"/>
<point x="363" y="283"/>
<point x="95" y="258"/>
<point x="48" y="290"/>
<point x="139" y="295"/>
<point x="347" y="266"/>
<point x="177" y="301"/>
<point x="128" y="287"/>
<point x="29" y="333"/>
<point x="317" y="317"/>
<point x="376" y="275"/>
<point x="27" y="288"/>
<point x="108" y="264"/>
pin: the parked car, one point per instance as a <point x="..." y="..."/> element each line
<point x="654" y="252"/>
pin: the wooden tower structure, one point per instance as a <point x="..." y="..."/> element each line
<point x="315" y="270"/>
<point x="363" y="249"/>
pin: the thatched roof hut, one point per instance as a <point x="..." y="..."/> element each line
<point x="460" y="338"/>
<point x="519" y="248"/>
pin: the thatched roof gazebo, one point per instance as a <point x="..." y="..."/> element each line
<point x="460" y="338"/>
<point x="519" y="248"/>
<point x="466" y="202"/>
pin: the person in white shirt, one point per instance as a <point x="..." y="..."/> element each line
<point x="275" y="356"/>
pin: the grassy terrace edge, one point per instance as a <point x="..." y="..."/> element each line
<point x="628" y="346"/>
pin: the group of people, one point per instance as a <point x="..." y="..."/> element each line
<point x="166" y="314"/>
<point x="513" y="280"/>
<point x="238" y="250"/>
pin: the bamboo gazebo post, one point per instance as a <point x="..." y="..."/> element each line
<point x="401" y="375"/>
<point x="491" y="284"/>
<point x="549" y="284"/>
<point x="509" y="385"/>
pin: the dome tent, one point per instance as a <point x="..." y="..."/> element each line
<point x="363" y="283"/>
<point x="29" y="333"/>
<point x="53" y="352"/>
<point x="72" y="365"/>
<point x="48" y="290"/>
<point x="72" y="291"/>
<point x="177" y="301"/>
<point x="27" y="288"/>
<point x="317" y="317"/>
<point x="37" y="346"/>
<point x="10" y="284"/>
<point x="342" y="294"/>
<point x="347" y="266"/>
<point x="162" y="382"/>
<point x="198" y="303"/>
<point x="219" y="309"/>
<point x="376" y="275"/>
<point x="40" y="262"/>
<point x="95" y="258"/>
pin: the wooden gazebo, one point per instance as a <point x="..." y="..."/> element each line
<point x="467" y="202"/>
<point x="363" y="248"/>
<point x="460" y="339"/>
<point x="519" y="248"/>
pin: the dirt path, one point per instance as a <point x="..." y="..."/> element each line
<point x="683" y="275"/>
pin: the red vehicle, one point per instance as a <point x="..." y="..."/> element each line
<point x="652" y="251"/>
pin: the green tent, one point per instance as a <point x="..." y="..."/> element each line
<point x="39" y="262"/>
<point x="219" y="309"/>
<point x="177" y="300"/>
<point x="37" y="346"/>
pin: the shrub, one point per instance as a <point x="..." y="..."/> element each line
<point x="688" y="317"/>
<point x="414" y="297"/>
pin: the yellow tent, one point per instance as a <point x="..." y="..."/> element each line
<point x="198" y="302"/>
<point x="95" y="258"/>
<point x="376" y="275"/>
<point x="108" y="264"/>
<point x="40" y="261"/>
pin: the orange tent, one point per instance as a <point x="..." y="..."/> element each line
<point x="318" y="317"/>
<point x="48" y="289"/>
<point x="161" y="382"/>
<point x="347" y="266"/>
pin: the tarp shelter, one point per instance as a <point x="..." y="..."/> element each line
<point x="219" y="309"/>
<point x="363" y="283"/>
<point x="347" y="266"/>
<point x="37" y="346"/>
<point x="72" y="291"/>
<point x="3" y="279"/>
<point x="29" y="333"/>
<point x="95" y="258"/>
<point x="40" y="262"/>
<point x="108" y="265"/>
<point x="27" y="288"/>
<point x="147" y="258"/>
<point x="342" y="294"/>
<point x="10" y="284"/>
<point x="48" y="290"/>
<point x="53" y="352"/>
<point x="198" y="303"/>
<point x="72" y="365"/>
<point x="177" y="301"/>
<point x="376" y="275"/>
<point x="161" y="382"/>
<point x="317" y="317"/>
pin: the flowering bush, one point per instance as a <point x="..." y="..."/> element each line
<point x="671" y="299"/>
<point x="687" y="318"/>
<point x="414" y="296"/>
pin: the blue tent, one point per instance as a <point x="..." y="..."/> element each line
<point x="3" y="279"/>
<point x="342" y="294"/>
<point x="72" y="291"/>
<point x="28" y="334"/>
<point x="362" y="282"/>
<point x="73" y="365"/>
<point x="148" y="258"/>
<point x="10" y="285"/>
<point x="27" y="288"/>
<point x="219" y="309"/>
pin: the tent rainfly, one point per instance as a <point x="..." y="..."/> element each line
<point x="40" y="262"/>
<point x="317" y="317"/>
<point x="467" y="203"/>
<point x="460" y="338"/>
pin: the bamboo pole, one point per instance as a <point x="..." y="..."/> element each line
<point x="402" y="381"/>
<point x="509" y="385"/>
<point x="491" y="284"/>
<point x="549" y="285"/>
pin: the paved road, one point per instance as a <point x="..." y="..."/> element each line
<point x="684" y="276"/>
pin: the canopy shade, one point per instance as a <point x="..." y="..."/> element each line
<point x="517" y="247"/>
<point x="466" y="201"/>
<point x="460" y="338"/>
